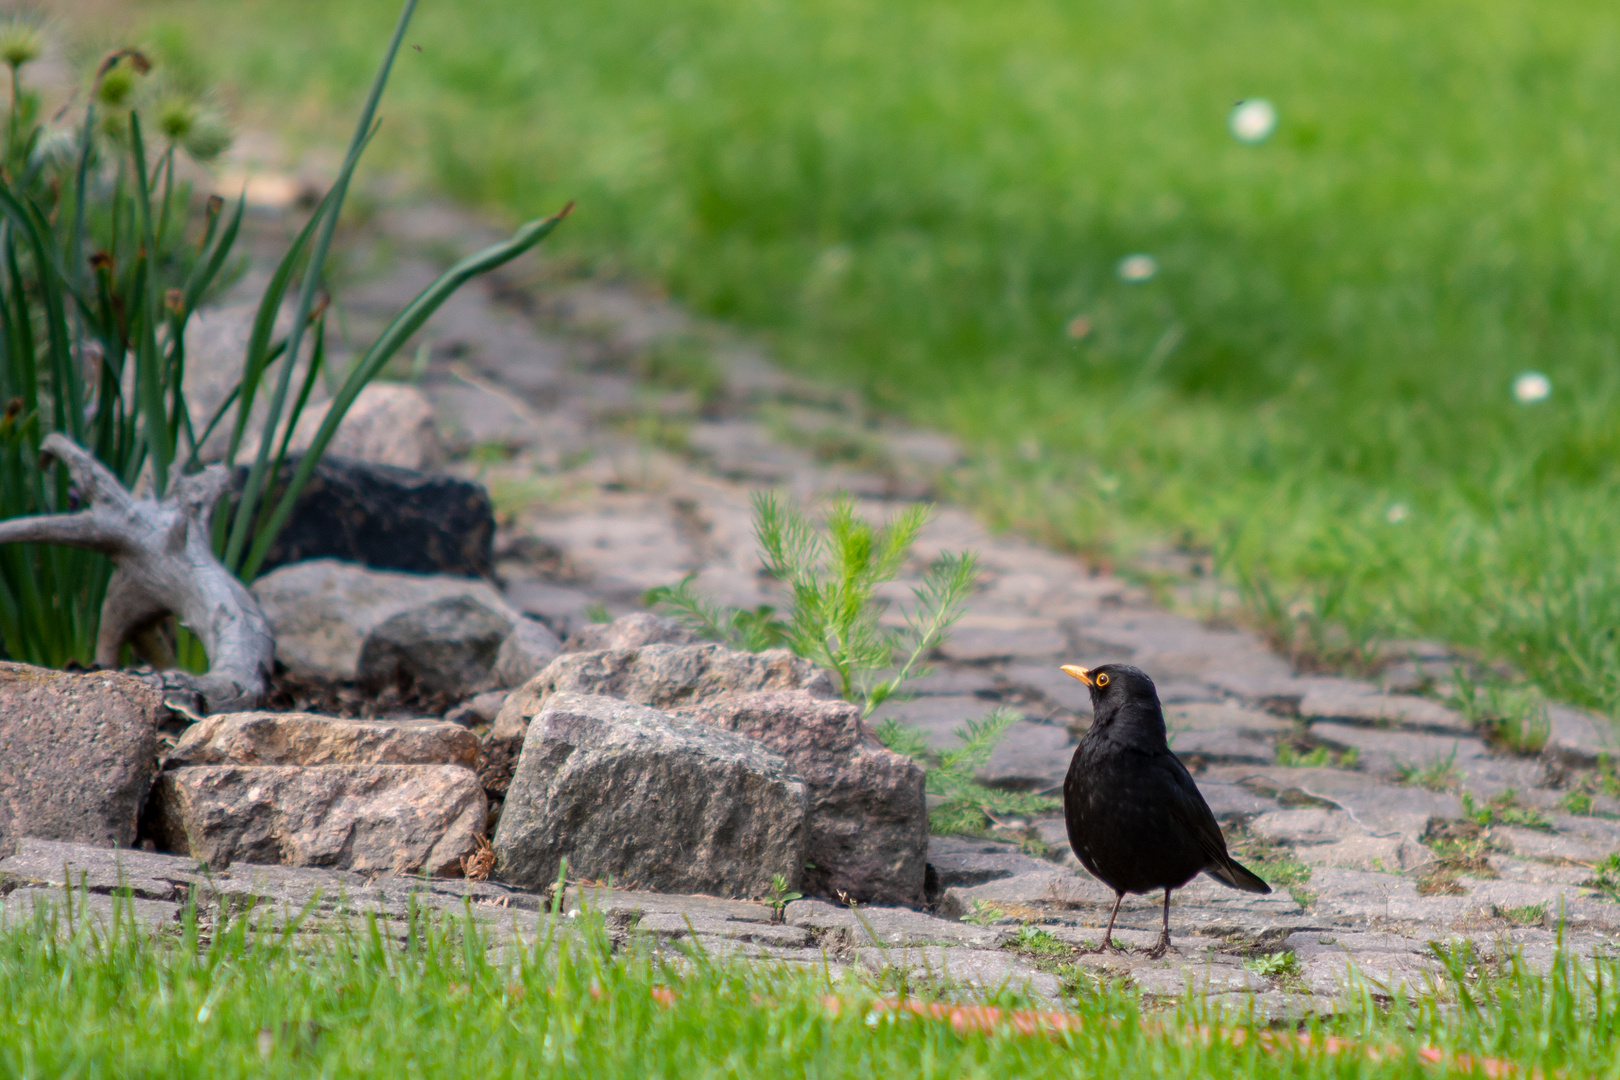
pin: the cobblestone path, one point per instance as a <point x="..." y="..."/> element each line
<point x="621" y="440"/>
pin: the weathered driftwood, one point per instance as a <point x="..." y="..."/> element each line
<point x="164" y="565"/>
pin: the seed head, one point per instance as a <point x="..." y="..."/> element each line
<point x="208" y="138"/>
<point x="1137" y="268"/>
<point x="116" y="87"/>
<point x="20" y="42"/>
<point x="57" y="147"/>
<point x="1531" y="387"/>
<point x="1252" y="120"/>
<point x="177" y="117"/>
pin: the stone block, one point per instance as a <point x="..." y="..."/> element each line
<point x="629" y="632"/>
<point x="1359" y="703"/>
<point x="980" y="636"/>
<point x="1578" y="737"/>
<point x="662" y="676"/>
<point x="78" y="753"/>
<point x="323" y="610"/>
<point x="383" y="517"/>
<point x="396" y="819"/>
<point x="868" y="813"/>
<point x="446" y="648"/>
<point x="387" y="424"/>
<point x="649" y="800"/>
<point x="271" y="738"/>
<point x="525" y="652"/>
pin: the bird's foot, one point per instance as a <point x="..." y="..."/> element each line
<point x="1161" y="947"/>
<point x="1105" y="946"/>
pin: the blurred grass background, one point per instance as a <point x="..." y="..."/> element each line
<point x="920" y="196"/>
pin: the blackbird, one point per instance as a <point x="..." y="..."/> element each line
<point x="1135" y="817"/>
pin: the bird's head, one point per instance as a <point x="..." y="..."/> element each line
<point x="1117" y="688"/>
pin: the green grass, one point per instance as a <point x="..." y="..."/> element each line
<point x="920" y="196"/>
<point x="427" y="999"/>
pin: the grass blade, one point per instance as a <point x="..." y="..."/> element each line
<point x="327" y="224"/>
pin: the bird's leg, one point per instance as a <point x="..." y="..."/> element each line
<point x="1164" y="937"/>
<point x="1108" y="935"/>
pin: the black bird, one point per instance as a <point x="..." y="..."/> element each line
<point x="1135" y="817"/>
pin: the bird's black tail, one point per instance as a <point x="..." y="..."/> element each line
<point x="1230" y="872"/>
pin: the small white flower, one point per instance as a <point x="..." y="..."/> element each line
<point x="1396" y="513"/>
<point x="1135" y="268"/>
<point x="1252" y="120"/>
<point x="1531" y="387"/>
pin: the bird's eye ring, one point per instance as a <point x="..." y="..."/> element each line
<point x="1102" y="680"/>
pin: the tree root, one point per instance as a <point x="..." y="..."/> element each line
<point x="164" y="565"/>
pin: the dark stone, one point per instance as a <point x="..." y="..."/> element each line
<point x="448" y="648"/>
<point x="384" y="517"/>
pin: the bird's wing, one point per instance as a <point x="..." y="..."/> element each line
<point x="1188" y="807"/>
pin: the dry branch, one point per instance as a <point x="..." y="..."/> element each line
<point x="164" y="565"/>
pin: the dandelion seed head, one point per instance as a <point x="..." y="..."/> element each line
<point x="1531" y="387"/>
<point x="1252" y="120"/>
<point x="1137" y="268"/>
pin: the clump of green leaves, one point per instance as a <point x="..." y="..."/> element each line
<point x="968" y="806"/>
<point x="1606" y="877"/>
<point x="1512" y="718"/>
<point x="1576" y="802"/>
<point x="1439" y="775"/>
<point x="1035" y="942"/>
<point x="1308" y="756"/>
<point x="1581" y="798"/>
<point x="781" y="895"/>
<point x="1528" y="915"/>
<point x="1460" y="847"/>
<point x="1274" y="965"/>
<point x="1504" y="808"/>
<point x="983" y="913"/>
<point x="833" y="572"/>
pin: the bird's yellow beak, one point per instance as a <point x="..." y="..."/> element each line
<point x="1078" y="672"/>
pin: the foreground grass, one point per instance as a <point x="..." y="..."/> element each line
<point x="920" y="197"/>
<point x="102" y="1000"/>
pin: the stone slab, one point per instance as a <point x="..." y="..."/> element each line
<point x="397" y="819"/>
<point x="78" y="753"/>
<point x="885" y="926"/>
<point x="983" y="969"/>
<point x="282" y="738"/>
<point x="71" y="911"/>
